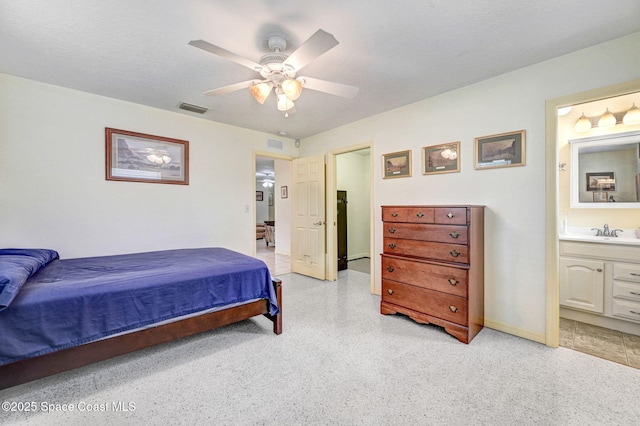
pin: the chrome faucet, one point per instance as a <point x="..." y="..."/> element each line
<point x="605" y="232"/>
<point x="614" y="233"/>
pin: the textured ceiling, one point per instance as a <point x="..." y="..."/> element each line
<point x="395" y="52"/>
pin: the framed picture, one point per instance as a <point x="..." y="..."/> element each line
<point x="284" y="192"/>
<point x="259" y="196"/>
<point x="600" y="181"/>
<point x="443" y="158"/>
<point x="600" y="196"/>
<point x="137" y="157"/>
<point x="396" y="164"/>
<point x="503" y="150"/>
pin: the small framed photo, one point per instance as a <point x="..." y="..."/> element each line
<point x="601" y="181"/>
<point x="259" y="196"/>
<point x="502" y="150"/>
<point x="600" y="196"/>
<point x="284" y="192"/>
<point x="137" y="157"/>
<point x="396" y="164"/>
<point x="443" y="158"/>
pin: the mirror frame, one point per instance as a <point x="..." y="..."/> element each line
<point x="604" y="140"/>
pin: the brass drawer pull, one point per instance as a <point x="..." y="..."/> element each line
<point x="453" y="309"/>
<point x="394" y="214"/>
<point x="392" y="230"/>
<point x="390" y="268"/>
<point x="454" y="234"/>
<point x="392" y="246"/>
<point x="453" y="281"/>
<point x="450" y="215"/>
<point x="454" y="253"/>
<point x="420" y="214"/>
<point x="390" y="291"/>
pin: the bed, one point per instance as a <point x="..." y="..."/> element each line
<point x="56" y="315"/>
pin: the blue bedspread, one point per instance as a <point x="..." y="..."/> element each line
<point x="75" y="301"/>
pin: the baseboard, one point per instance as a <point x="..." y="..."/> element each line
<point x="509" y="329"/>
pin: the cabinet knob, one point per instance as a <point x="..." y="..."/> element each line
<point x="453" y="281"/>
<point x="599" y="269"/>
<point x="454" y="234"/>
<point x="390" y="291"/>
<point x="450" y="215"/>
<point x="390" y="268"/>
<point x="453" y="309"/>
<point x="394" y="214"/>
<point x="454" y="253"/>
<point x="392" y="230"/>
<point x="420" y="214"/>
<point x="392" y="245"/>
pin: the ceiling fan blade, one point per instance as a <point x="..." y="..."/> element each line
<point x="231" y="88"/>
<point x="329" y="87"/>
<point x="320" y="42"/>
<point x="224" y="53"/>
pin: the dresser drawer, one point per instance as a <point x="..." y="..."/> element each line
<point x="626" y="272"/>
<point x="394" y="214"/>
<point x="453" y="215"/>
<point x="446" y="279"/>
<point x="446" y="306"/>
<point x="438" y="251"/>
<point x="626" y="309"/>
<point x="624" y="290"/>
<point x="454" y="234"/>
<point x="420" y="214"/>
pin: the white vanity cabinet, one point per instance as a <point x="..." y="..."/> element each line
<point x="600" y="284"/>
<point x="582" y="284"/>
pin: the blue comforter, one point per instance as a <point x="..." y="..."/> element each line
<point x="66" y="303"/>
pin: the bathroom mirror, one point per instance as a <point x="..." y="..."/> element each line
<point x="605" y="171"/>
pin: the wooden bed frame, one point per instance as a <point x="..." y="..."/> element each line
<point x="26" y="370"/>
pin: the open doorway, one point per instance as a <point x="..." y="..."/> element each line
<point x="272" y="176"/>
<point x="349" y="192"/>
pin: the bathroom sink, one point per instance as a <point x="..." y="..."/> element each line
<point x="594" y="239"/>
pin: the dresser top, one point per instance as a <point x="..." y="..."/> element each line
<point x="433" y="205"/>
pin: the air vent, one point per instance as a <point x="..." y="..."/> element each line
<point x="275" y="144"/>
<point x="193" y="108"/>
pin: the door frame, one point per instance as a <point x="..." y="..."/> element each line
<point x="264" y="154"/>
<point x="552" y="207"/>
<point x="332" y="208"/>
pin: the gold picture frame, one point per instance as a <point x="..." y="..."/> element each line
<point x="443" y="158"/>
<point x="501" y="150"/>
<point x="396" y="164"/>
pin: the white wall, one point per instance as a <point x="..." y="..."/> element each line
<point x="515" y="197"/>
<point x="53" y="191"/>
<point x="353" y="174"/>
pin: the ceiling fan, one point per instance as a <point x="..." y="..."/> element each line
<point x="278" y="70"/>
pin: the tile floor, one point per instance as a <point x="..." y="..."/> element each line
<point x="278" y="264"/>
<point x="612" y="345"/>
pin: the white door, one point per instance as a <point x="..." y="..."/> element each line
<point x="308" y="217"/>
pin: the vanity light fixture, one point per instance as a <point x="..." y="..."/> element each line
<point x="632" y="116"/>
<point x="607" y="120"/>
<point x="583" y="124"/>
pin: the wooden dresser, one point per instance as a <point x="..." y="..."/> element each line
<point x="433" y="266"/>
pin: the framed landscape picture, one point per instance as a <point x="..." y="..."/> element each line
<point x="502" y="150"/>
<point x="138" y="157"/>
<point x="443" y="158"/>
<point x="396" y="164"/>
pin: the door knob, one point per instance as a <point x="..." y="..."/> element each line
<point x="318" y="223"/>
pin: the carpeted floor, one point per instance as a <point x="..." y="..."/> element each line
<point x="338" y="362"/>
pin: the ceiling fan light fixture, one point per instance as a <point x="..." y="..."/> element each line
<point x="284" y="103"/>
<point x="292" y="88"/>
<point x="260" y="91"/>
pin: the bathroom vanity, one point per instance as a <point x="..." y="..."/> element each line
<point x="600" y="281"/>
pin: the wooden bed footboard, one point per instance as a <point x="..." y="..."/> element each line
<point x="52" y="363"/>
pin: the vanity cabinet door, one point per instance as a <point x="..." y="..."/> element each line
<point x="582" y="284"/>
